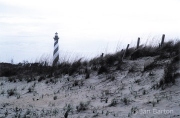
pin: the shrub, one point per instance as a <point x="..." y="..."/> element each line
<point x="67" y="109"/>
<point x="176" y="47"/>
<point x="11" y="92"/>
<point x="105" y="92"/>
<point x="30" y="89"/>
<point x="18" y="96"/>
<point x="169" y="74"/>
<point x="103" y="69"/>
<point x="170" y="49"/>
<point x="110" y="59"/>
<point x="129" y="52"/>
<point x="2" y="92"/>
<point x="77" y="83"/>
<point x="82" y="106"/>
<point x="119" y="64"/>
<point x="125" y="101"/>
<point x="12" y="79"/>
<point x="1" y="84"/>
<point x="87" y="75"/>
<point x="41" y="78"/>
<point x="134" y="110"/>
<point x="47" y="81"/>
<point x="144" y="92"/>
<point x="85" y="63"/>
<point x="176" y="59"/>
<point x="150" y="66"/>
<point x="111" y="77"/>
<point x="137" y="81"/>
<point x="64" y="67"/>
<point x="7" y="72"/>
<point x="161" y="84"/>
<point x="52" y="80"/>
<point x="95" y="61"/>
<point x="75" y="67"/>
<point x="113" y="103"/>
<point x="132" y="69"/>
<point x="55" y="97"/>
<point x="145" y="51"/>
<point x="29" y="79"/>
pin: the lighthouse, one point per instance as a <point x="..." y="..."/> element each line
<point x="56" y="50"/>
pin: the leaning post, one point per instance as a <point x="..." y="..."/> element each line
<point x="125" y="52"/>
<point x="162" y="41"/>
<point x="138" y="42"/>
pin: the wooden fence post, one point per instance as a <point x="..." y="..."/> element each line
<point x="102" y="55"/>
<point x="162" y="41"/>
<point x="125" y="52"/>
<point x="138" y="42"/>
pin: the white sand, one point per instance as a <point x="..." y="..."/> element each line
<point x="41" y="103"/>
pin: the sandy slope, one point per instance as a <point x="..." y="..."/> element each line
<point x="132" y="92"/>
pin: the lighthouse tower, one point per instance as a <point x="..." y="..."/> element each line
<point x="56" y="50"/>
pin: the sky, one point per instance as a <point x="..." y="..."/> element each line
<point x="86" y="28"/>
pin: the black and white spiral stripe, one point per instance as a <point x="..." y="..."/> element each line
<point x="56" y="51"/>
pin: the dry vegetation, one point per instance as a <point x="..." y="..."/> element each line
<point x="105" y="86"/>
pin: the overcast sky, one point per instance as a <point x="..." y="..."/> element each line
<point x="86" y="27"/>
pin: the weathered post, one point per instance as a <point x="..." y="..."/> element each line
<point x="162" y="41"/>
<point x="125" y="52"/>
<point x="138" y="42"/>
<point x="102" y="55"/>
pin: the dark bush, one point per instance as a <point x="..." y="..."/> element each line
<point x="55" y="97"/>
<point x="103" y="69"/>
<point x="12" y="79"/>
<point x="176" y="59"/>
<point x="94" y="68"/>
<point x="151" y="66"/>
<point x="176" y="47"/>
<point x="85" y="63"/>
<point x="113" y="103"/>
<point x="29" y="79"/>
<point x="129" y="52"/>
<point x="110" y="59"/>
<point x="75" y="67"/>
<point x="169" y="74"/>
<point x="161" y="84"/>
<point x="82" y="106"/>
<point x="8" y="72"/>
<point x="30" y="89"/>
<point x="95" y="61"/>
<point x="51" y="80"/>
<point x="64" y="67"/>
<point x="77" y="83"/>
<point x="111" y="77"/>
<point x="87" y="75"/>
<point x="125" y="101"/>
<point x="11" y="92"/>
<point x="47" y="81"/>
<point x="145" y="51"/>
<point x="41" y="78"/>
<point x="170" y="49"/>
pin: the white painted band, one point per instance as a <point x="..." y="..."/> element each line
<point x="55" y="55"/>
